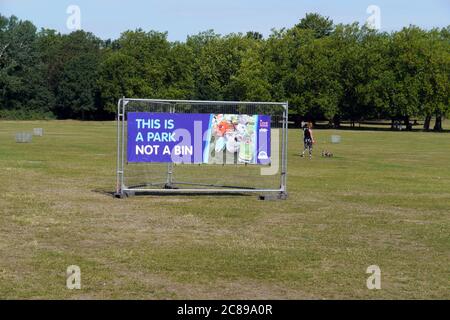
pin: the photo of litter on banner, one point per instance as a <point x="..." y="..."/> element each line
<point x="242" y="138"/>
<point x="198" y="138"/>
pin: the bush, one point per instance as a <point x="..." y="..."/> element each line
<point x="15" y="114"/>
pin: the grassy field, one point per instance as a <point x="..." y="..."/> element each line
<point x="383" y="199"/>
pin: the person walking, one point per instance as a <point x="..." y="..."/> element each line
<point x="308" y="139"/>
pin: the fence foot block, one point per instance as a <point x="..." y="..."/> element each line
<point x="119" y="195"/>
<point x="272" y="197"/>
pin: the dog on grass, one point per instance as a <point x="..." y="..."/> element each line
<point x="327" y="154"/>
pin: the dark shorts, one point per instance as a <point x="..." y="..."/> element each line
<point x="308" y="143"/>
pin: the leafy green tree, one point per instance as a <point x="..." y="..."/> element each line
<point x="76" y="72"/>
<point x="254" y="35"/>
<point x="22" y="89"/>
<point x="319" y="78"/>
<point x="251" y="82"/>
<point x="216" y="62"/>
<point x="76" y="94"/>
<point x="369" y="77"/>
<point x="276" y="59"/>
<point x="348" y="53"/>
<point x="303" y="71"/>
<point x="179" y="75"/>
<point x="435" y="84"/>
<point x="325" y="71"/>
<point x="118" y="77"/>
<point x="151" y="51"/>
<point x="198" y="41"/>
<point x="407" y="54"/>
<point x="321" y="26"/>
<point x="146" y="64"/>
<point x="49" y="44"/>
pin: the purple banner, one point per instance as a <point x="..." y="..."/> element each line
<point x="198" y="138"/>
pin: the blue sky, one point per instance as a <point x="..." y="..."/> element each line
<point x="108" y="18"/>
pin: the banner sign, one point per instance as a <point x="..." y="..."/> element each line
<point x="198" y="138"/>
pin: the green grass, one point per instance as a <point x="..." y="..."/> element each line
<point x="382" y="199"/>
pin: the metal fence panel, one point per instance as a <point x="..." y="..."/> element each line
<point x="204" y="178"/>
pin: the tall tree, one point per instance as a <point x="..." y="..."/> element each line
<point x="76" y="75"/>
<point x="77" y="89"/>
<point x="435" y="84"/>
<point x="22" y="90"/>
<point x="408" y="62"/>
<point x="370" y="90"/>
<point x="216" y="62"/>
<point x="251" y="81"/>
<point x="320" y="25"/>
<point x="146" y="64"/>
<point x="119" y="76"/>
<point x="325" y="71"/>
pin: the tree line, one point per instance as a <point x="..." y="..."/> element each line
<point x="326" y="71"/>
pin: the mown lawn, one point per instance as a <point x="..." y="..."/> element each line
<point x="383" y="199"/>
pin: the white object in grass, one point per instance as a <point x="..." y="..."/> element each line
<point x="23" y="137"/>
<point x="335" y="139"/>
<point x="38" y="132"/>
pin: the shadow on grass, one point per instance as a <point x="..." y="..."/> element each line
<point x="104" y="192"/>
<point x="176" y="192"/>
